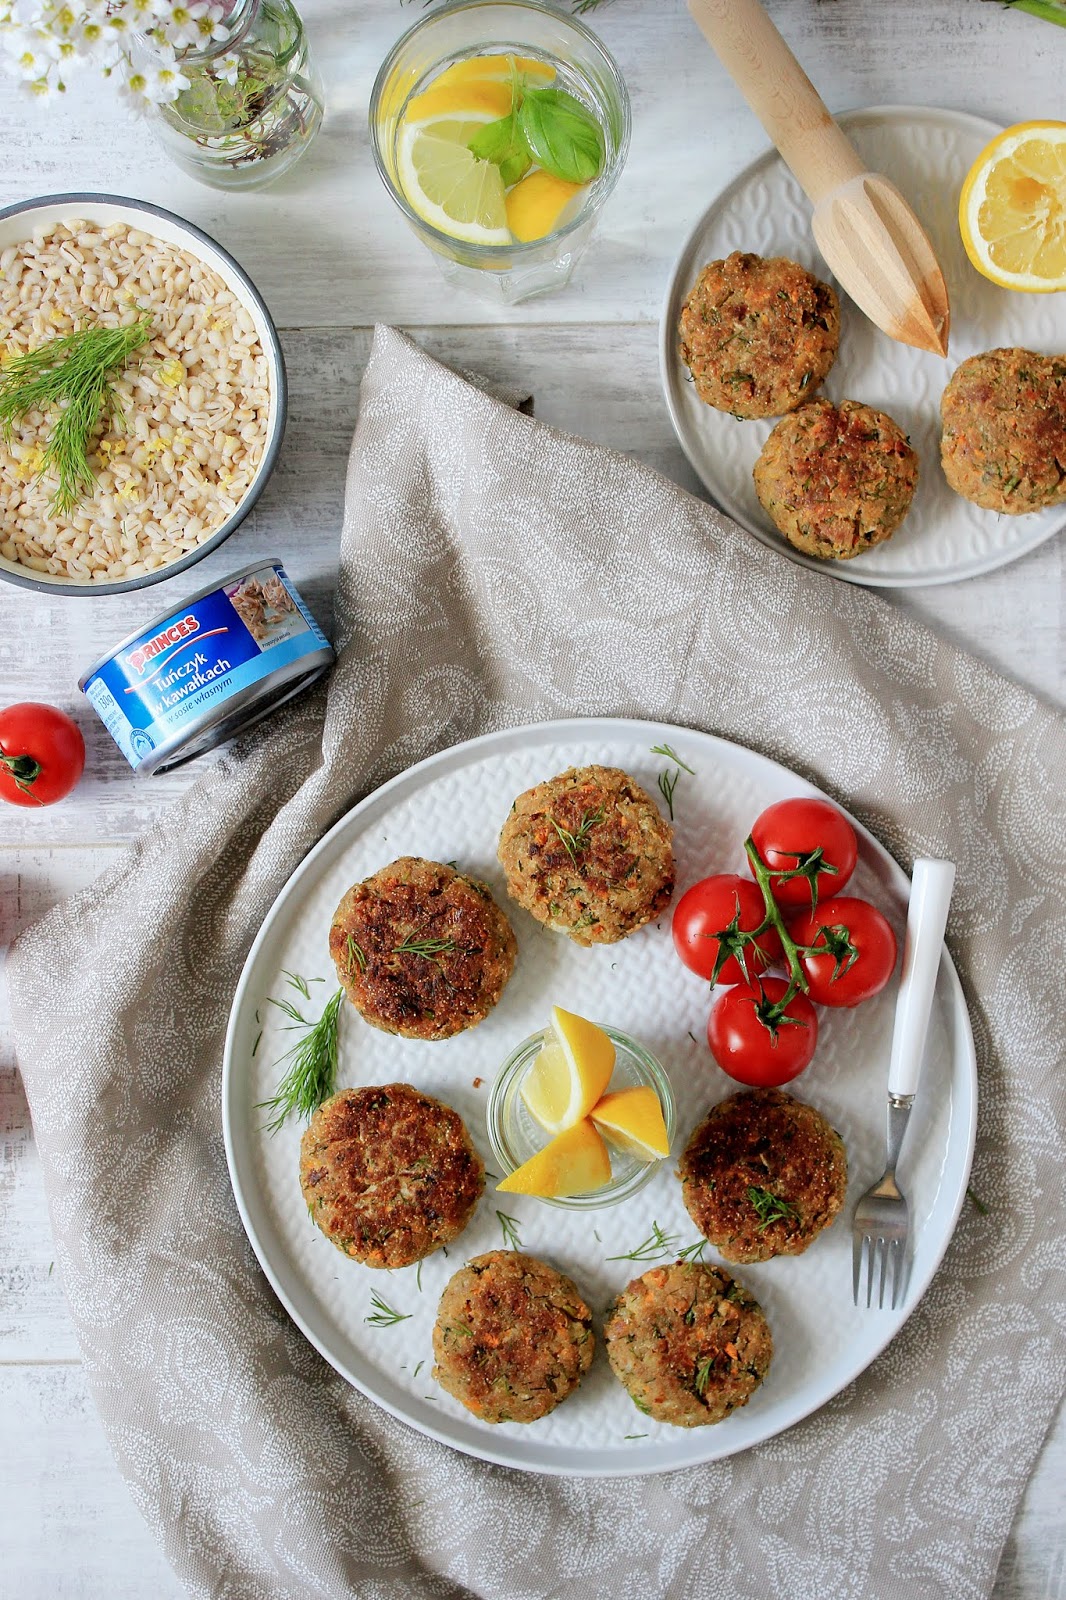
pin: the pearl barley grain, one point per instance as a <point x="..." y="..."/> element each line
<point x="169" y="471"/>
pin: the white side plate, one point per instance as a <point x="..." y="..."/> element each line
<point x="928" y="154"/>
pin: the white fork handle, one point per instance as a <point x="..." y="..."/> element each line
<point x="927" y="915"/>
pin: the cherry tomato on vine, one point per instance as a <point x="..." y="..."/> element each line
<point x="857" y="950"/>
<point x="807" y="837"/>
<point x="751" y="1044"/>
<point x="708" y="925"/>
<point x="42" y="754"/>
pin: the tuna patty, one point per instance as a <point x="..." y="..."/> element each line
<point x="1004" y="439"/>
<point x="589" y="854"/>
<point x="758" y="335"/>
<point x="513" y="1337"/>
<point x="688" y="1343"/>
<point x="836" y="480"/>
<point x="389" y="1174"/>
<point x="422" y="950"/>
<point x="762" y="1175"/>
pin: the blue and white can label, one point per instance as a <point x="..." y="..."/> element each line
<point x="198" y="674"/>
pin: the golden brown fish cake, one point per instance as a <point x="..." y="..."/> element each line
<point x="421" y="949"/>
<point x="513" y="1337"/>
<point x="758" y="335"/>
<point x="389" y="1174"/>
<point x="762" y="1175"/>
<point x="589" y="854"/>
<point x="689" y="1343"/>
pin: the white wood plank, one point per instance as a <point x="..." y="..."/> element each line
<point x="34" y="1323"/>
<point x="691" y="133"/>
<point x="69" y="1528"/>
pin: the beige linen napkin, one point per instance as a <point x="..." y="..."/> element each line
<point x="494" y="572"/>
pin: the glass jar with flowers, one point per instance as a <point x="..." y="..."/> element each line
<point x="233" y="94"/>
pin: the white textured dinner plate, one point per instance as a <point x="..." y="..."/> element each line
<point x="928" y="154"/>
<point x="451" y="807"/>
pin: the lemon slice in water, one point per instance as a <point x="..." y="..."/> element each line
<point x="447" y="185"/>
<point x="570" y="1074"/>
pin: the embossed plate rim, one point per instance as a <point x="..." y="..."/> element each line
<point x="683" y="1447"/>
<point x="1026" y="534"/>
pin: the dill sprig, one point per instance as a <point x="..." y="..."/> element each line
<point x="574" y="843"/>
<point x="693" y="1252"/>
<point x="770" y="1207"/>
<point x="429" y="948"/>
<point x="301" y="985"/>
<point x="383" y="1315"/>
<point x="356" y="954"/>
<point x="703" y="1374"/>
<point x="672" y="755"/>
<point x="71" y="375"/>
<point x="653" y="1248"/>
<point x="509" y="1229"/>
<point x="312" y="1064"/>
<point x="668" y="779"/>
<point x="667" y="785"/>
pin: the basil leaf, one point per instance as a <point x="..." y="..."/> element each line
<point x="502" y="143"/>
<point x="562" y="135"/>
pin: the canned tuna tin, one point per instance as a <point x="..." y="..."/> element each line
<point x="195" y="676"/>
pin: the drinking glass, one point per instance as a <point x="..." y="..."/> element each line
<point x="456" y="33"/>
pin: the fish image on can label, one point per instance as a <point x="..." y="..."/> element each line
<point x="199" y="674"/>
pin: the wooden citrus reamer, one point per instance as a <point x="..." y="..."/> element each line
<point x="868" y="234"/>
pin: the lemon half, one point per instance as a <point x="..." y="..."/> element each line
<point x="1012" y="210"/>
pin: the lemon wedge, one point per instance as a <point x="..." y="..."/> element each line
<point x="570" y="1074"/>
<point x="574" y="1162"/>
<point x="535" y="205"/>
<point x="1012" y="210"/>
<point x="447" y="185"/>
<point x="632" y="1120"/>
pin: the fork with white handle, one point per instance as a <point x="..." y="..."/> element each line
<point x="881" y="1226"/>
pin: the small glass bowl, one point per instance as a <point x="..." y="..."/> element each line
<point x="515" y="1136"/>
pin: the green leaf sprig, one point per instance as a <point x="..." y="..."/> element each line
<point x="312" y="1063"/>
<point x="72" y="376"/>
<point x="562" y="135"/>
<point x="548" y="126"/>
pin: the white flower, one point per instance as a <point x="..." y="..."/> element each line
<point x="209" y="21"/>
<point x="165" y="84"/>
<point x="29" y="57"/>
<point x="96" y="44"/>
<point x="133" y="90"/>
<point x="41" y="89"/>
<point x="181" y="28"/>
<point x="228" y="67"/>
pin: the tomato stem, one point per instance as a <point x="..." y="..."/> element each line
<point x="24" y="769"/>
<point x="797" y="978"/>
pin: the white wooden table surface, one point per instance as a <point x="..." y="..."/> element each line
<point x="332" y="257"/>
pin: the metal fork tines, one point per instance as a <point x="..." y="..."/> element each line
<point x="879" y="1237"/>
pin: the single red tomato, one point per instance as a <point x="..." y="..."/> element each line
<point x="812" y="839"/>
<point x="42" y="754"/>
<point x="708" y="923"/>
<point x="856" y="950"/>
<point x="753" y="1044"/>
